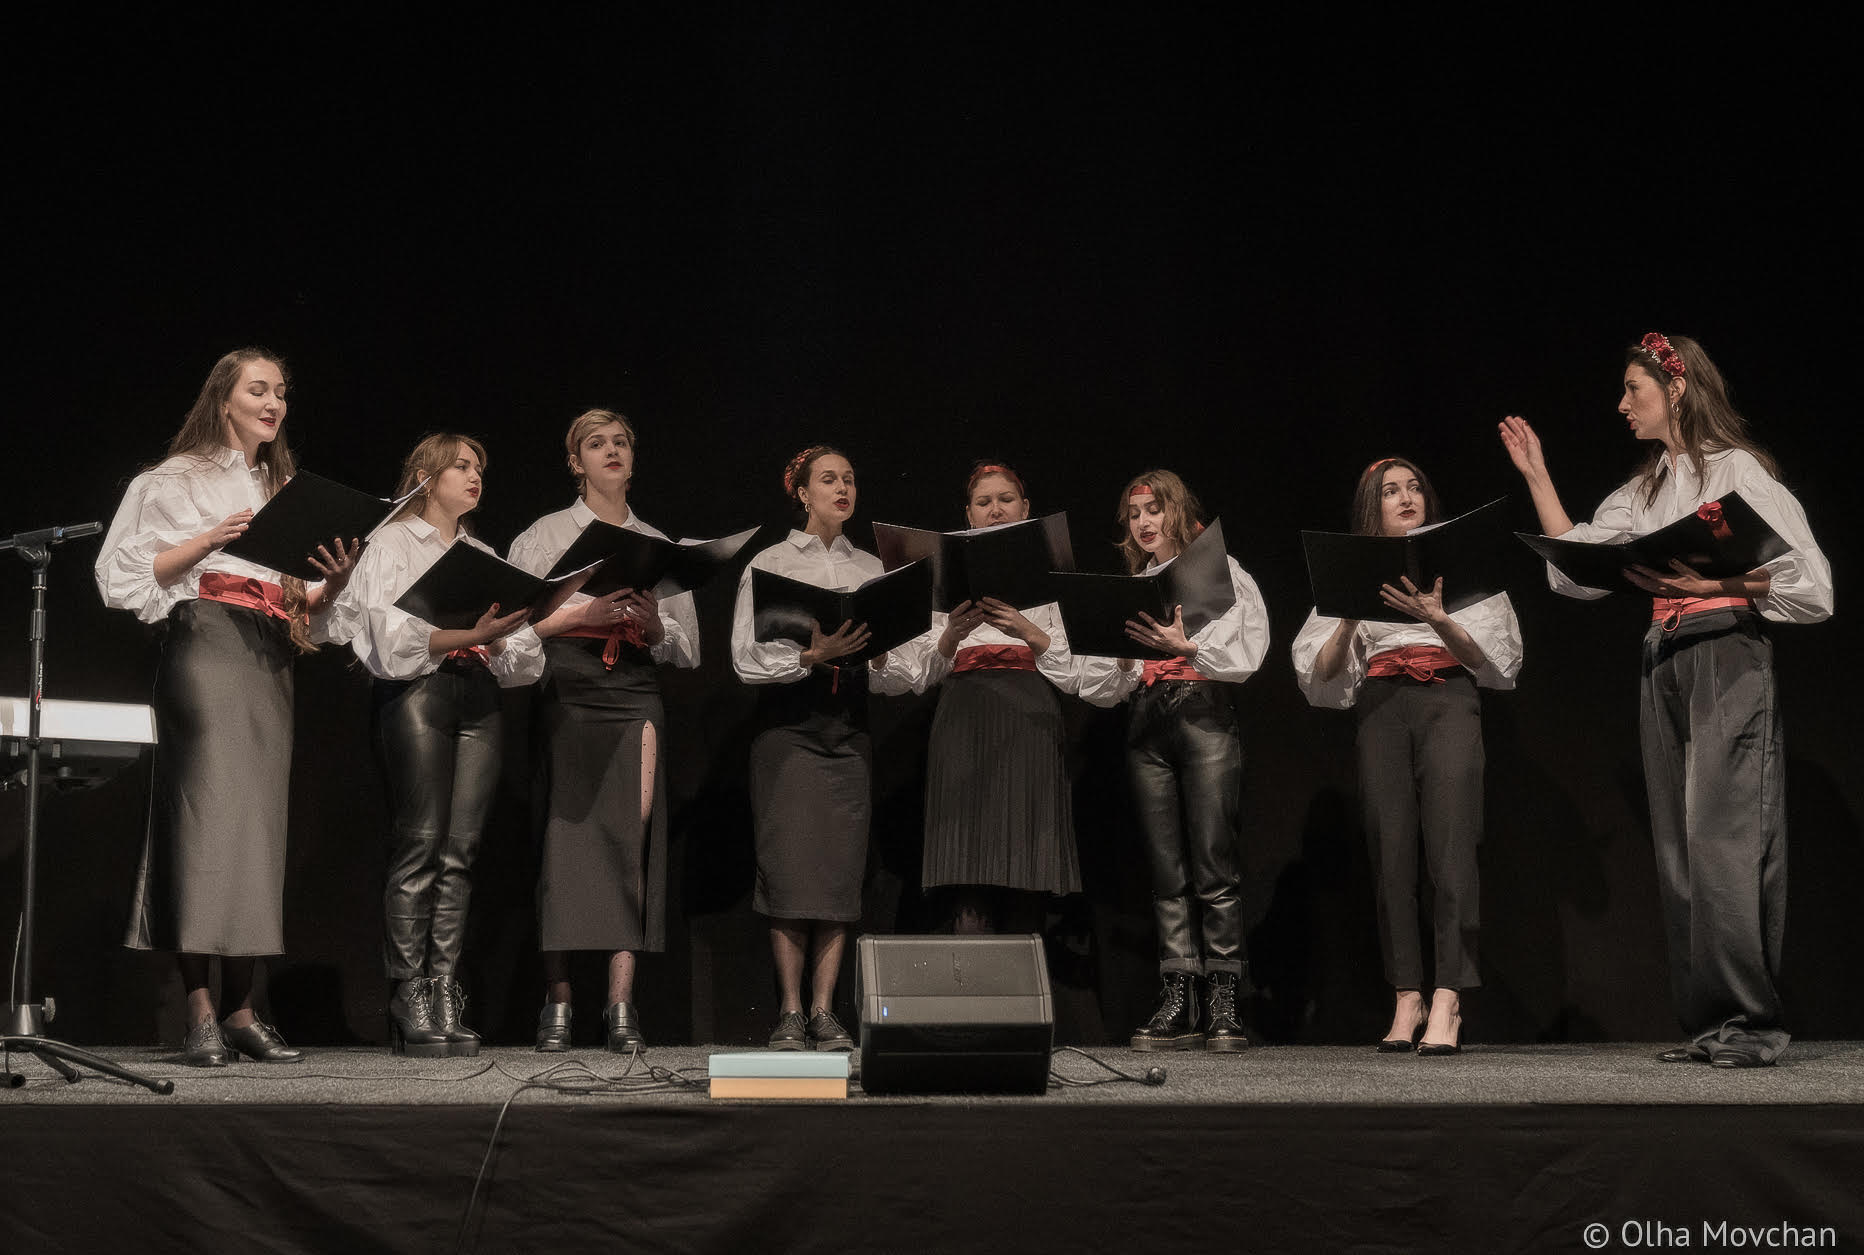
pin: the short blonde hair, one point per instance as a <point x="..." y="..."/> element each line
<point x="584" y="423"/>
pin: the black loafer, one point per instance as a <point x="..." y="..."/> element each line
<point x="1737" y="1057"/>
<point x="1683" y="1054"/>
<point x="624" y="1029"/>
<point x="260" y="1041"/>
<point x="553" y="1027"/>
<point x="205" y="1048"/>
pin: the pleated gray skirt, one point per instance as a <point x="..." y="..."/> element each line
<point x="810" y="799"/>
<point x="998" y="806"/>
<point x="603" y="884"/>
<point x="212" y="876"/>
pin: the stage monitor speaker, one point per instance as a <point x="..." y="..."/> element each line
<point x="954" y="1015"/>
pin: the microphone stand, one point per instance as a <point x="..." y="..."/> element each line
<point x="24" y="1029"/>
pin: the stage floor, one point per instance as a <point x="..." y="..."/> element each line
<point x="1302" y="1149"/>
<point x="1618" y="1073"/>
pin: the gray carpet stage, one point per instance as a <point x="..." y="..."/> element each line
<point x="1285" y="1149"/>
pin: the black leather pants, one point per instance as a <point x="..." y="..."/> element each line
<point x="1185" y="761"/>
<point x="439" y="738"/>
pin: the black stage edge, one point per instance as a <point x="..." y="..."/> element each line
<point x="1121" y="1169"/>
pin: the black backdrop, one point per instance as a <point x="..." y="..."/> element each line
<point x="1259" y="256"/>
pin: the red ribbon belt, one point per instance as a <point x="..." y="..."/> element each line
<point x="1420" y="662"/>
<point x="627" y="630"/>
<point x="1170" y="669"/>
<point x="1710" y="512"/>
<point x="995" y="658"/>
<point x="473" y="653"/>
<point x="242" y="590"/>
<point x="1669" y="611"/>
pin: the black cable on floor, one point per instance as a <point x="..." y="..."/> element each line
<point x="1152" y="1075"/>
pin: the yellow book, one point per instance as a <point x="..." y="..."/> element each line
<point x="779" y="1087"/>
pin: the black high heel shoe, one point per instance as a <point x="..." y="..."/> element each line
<point x="553" y="1027"/>
<point x="411" y="1027"/>
<point x="1403" y="1045"/>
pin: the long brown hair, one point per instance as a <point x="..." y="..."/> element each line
<point x="1184" y="515"/>
<point x="1368" y="516"/>
<point x="1706" y="419"/>
<point x="203" y="432"/>
<point x="437" y="451"/>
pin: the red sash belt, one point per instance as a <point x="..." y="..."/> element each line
<point x="241" y="590"/>
<point x="1420" y="662"/>
<point x="627" y="630"/>
<point x="1170" y="669"/>
<point x="1669" y="611"/>
<point x="995" y="658"/>
<point x="473" y="653"/>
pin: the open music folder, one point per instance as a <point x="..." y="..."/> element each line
<point x="1467" y="552"/>
<point x="1095" y="608"/>
<point x="1722" y="538"/>
<point x="466" y="581"/>
<point x="1010" y="562"/>
<point x="631" y="559"/>
<point x="307" y="512"/>
<point x="895" y="607"/>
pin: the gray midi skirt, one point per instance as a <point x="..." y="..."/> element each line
<point x="603" y="884"/>
<point x="212" y="877"/>
<point x="809" y="794"/>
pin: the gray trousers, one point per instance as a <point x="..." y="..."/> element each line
<point x="439" y="738"/>
<point x="1420" y="775"/>
<point x="1715" y="772"/>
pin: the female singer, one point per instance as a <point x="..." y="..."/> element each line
<point x="438" y="729"/>
<point x="1709" y="720"/>
<point x="604" y="879"/>
<point x="999" y="812"/>
<point x="1185" y="761"/>
<point x="809" y="763"/>
<point x="1420" y="753"/>
<point x="212" y="877"/>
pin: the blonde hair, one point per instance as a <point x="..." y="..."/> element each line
<point x="584" y="423"/>
<point x="435" y="453"/>
<point x="1184" y="515"/>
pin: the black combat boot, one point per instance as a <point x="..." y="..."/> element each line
<point x="1222" y="1030"/>
<point x="1174" y="1025"/>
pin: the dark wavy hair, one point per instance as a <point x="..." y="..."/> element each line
<point x="1368" y="518"/>
<point x="1706" y="419"/>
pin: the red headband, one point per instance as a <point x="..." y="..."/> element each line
<point x="1658" y="349"/>
<point x="993" y="468"/>
<point x="1140" y="490"/>
<point x="1376" y="463"/>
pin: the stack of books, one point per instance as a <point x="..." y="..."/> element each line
<point x="779" y="1074"/>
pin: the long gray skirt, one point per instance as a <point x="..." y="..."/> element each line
<point x="810" y="798"/>
<point x="212" y="877"/>
<point x="603" y="884"/>
<point x="998" y="805"/>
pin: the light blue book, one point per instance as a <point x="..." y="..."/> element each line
<point x="784" y="1063"/>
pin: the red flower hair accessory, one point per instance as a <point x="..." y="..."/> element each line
<point x="795" y="468"/>
<point x="1660" y="351"/>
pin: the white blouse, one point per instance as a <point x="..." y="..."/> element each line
<point x="1230" y="647"/>
<point x="1491" y="623"/>
<point x="548" y="539"/>
<point x="922" y="665"/>
<point x="391" y="643"/>
<point x="1802" y="578"/>
<point x="169" y="505"/>
<point x="803" y="557"/>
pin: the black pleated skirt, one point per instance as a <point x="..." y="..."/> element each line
<point x="212" y="877"/>
<point x="603" y="884"/>
<point x="998" y="805"/>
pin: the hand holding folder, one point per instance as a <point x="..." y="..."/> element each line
<point x="1349" y="573"/>
<point x="455" y="592"/>
<point x="306" y="517"/>
<point x="890" y="609"/>
<point x="1190" y="591"/>
<point x="624" y="558"/>
<point x="1010" y="563"/>
<point x="1721" y="539"/>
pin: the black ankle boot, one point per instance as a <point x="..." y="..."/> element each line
<point x="1222" y="1030"/>
<point x="449" y="1006"/>
<point x="411" y="1027"/>
<point x="1174" y="1025"/>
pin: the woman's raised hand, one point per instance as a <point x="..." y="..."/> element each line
<point x="1523" y="446"/>
<point x="338" y="569"/>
